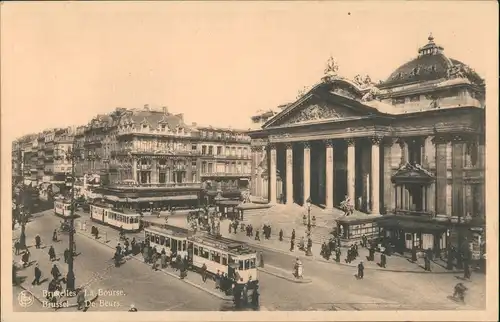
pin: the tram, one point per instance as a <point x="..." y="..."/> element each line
<point x="172" y="239"/>
<point x="223" y="255"/>
<point x="103" y="213"/>
<point x="218" y="254"/>
<point x="62" y="208"/>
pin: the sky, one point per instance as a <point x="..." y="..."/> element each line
<point x="216" y="62"/>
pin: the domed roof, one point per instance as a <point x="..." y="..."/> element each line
<point x="431" y="64"/>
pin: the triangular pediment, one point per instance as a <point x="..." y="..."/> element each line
<point x="312" y="110"/>
<point x="332" y="101"/>
<point x="412" y="172"/>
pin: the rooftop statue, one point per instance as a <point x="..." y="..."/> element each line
<point x="331" y="68"/>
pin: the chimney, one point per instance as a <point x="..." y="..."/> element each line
<point x="165" y="110"/>
<point x="146" y="107"/>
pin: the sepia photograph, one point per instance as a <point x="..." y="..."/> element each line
<point x="249" y="160"/>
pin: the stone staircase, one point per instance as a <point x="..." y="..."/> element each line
<point x="289" y="217"/>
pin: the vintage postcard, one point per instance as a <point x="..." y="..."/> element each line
<point x="249" y="161"/>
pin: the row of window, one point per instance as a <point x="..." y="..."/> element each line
<point x="166" y="241"/>
<point x="228" y="151"/>
<point x="223" y="259"/>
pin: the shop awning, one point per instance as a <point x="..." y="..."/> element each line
<point x="411" y="225"/>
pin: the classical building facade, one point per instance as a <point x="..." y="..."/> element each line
<point x="410" y="145"/>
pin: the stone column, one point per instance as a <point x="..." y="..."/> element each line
<point x="329" y="174"/>
<point x="253" y="171"/>
<point x="375" y="175"/>
<point x="272" y="174"/>
<point x="389" y="189"/>
<point x="441" y="174"/>
<point x="134" y="169"/>
<point x="307" y="171"/>
<point x="289" y="174"/>
<point x="458" y="177"/>
<point x="351" y="170"/>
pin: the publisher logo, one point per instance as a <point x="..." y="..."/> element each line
<point x="25" y="299"/>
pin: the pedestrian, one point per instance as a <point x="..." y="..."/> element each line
<point x="337" y="255"/>
<point x="163" y="259"/>
<point x="132" y="245"/>
<point x="281" y="234"/>
<point x="257" y="237"/>
<point x="74" y="247"/>
<point x="80" y="299"/>
<point x="54" y="235"/>
<point x="204" y="273"/>
<point x="17" y="247"/>
<point x="26" y="258"/>
<point x="145" y="254"/>
<point x="293" y="234"/>
<point x="38" y="241"/>
<point x="363" y="241"/>
<point x="119" y="248"/>
<point x="96" y="233"/>
<point x="52" y="253"/>
<point x="467" y="272"/>
<point x="427" y="263"/>
<point x="55" y="272"/>
<point x="292" y="244"/>
<point x="154" y="260"/>
<point x="356" y="252"/>
<point x="361" y="270"/>
<point x="66" y="255"/>
<point x="261" y="259"/>
<point x="371" y="252"/>
<point x="255" y="296"/>
<point x="383" y="260"/>
<point x="126" y="244"/>
<point x="38" y="275"/>
<point x="217" y="280"/>
<point x="229" y="227"/>
<point x="413" y="254"/>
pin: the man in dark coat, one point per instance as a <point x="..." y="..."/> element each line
<point x="281" y="234"/>
<point x="26" y="258"/>
<point x="371" y="255"/>
<point x="261" y="259"/>
<point x="38" y="241"/>
<point x="55" y="272"/>
<point x="204" y="273"/>
<point x="413" y="254"/>
<point x="361" y="270"/>
<point x="66" y="255"/>
<point x="52" y="253"/>
<point x="257" y="237"/>
<point x="54" y="235"/>
<point x="467" y="272"/>
<point x="293" y="235"/>
<point x="38" y="275"/>
<point x="427" y="263"/>
<point x="292" y="244"/>
<point x="337" y="254"/>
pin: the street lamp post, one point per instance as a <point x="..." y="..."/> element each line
<point x="308" y="204"/>
<point x="70" y="278"/>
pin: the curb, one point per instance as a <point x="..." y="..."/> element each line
<point x="293" y="280"/>
<point x="313" y="258"/>
<point x="167" y="273"/>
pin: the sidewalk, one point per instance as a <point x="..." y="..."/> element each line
<point x="26" y="276"/>
<point x="192" y="279"/>
<point x="395" y="263"/>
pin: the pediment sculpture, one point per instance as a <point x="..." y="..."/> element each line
<point x="371" y="95"/>
<point x="313" y="113"/>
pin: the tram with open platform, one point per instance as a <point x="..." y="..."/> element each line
<point x="125" y="219"/>
<point x="62" y="208"/>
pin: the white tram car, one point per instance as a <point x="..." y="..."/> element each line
<point x="223" y="255"/>
<point x="62" y="208"/>
<point x="171" y="239"/>
<point x="130" y="222"/>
